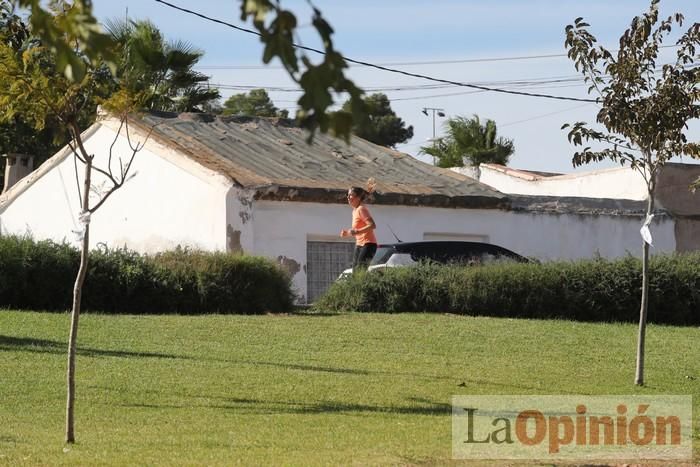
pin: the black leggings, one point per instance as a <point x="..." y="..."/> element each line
<point x="363" y="255"/>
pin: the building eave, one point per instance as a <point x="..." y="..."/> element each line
<point x="338" y="196"/>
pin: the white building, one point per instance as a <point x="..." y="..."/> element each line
<point x="672" y="190"/>
<point x="615" y="183"/>
<point x="256" y="186"/>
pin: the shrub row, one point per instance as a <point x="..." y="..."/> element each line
<point x="40" y="276"/>
<point x="587" y="290"/>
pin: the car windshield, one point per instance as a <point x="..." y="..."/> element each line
<point x="382" y="255"/>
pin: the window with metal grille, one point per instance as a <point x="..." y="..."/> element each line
<point x="324" y="263"/>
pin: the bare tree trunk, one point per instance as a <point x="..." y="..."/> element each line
<point x="75" y="312"/>
<point x="639" y="374"/>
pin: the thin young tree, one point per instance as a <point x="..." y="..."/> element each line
<point x="644" y="108"/>
<point x="115" y="179"/>
<point x="41" y="94"/>
<point x="80" y="50"/>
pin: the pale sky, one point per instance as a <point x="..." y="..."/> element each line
<point x="482" y="36"/>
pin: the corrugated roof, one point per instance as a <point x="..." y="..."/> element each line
<point x="274" y="157"/>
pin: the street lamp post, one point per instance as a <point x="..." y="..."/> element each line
<point x="440" y="113"/>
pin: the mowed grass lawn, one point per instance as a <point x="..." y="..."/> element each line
<point x="299" y="389"/>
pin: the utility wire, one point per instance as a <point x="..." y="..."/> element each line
<point x="431" y="96"/>
<point x="273" y="89"/>
<point x="379" y="67"/>
<point x="519" y="82"/>
<point x="546" y="84"/>
<point x="536" y="117"/>
<point x="426" y="62"/>
<point x="423" y="87"/>
<point x="529" y="83"/>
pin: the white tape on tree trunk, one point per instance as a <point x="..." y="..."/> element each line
<point x="644" y="231"/>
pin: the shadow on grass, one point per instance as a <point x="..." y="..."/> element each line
<point x="516" y="386"/>
<point x="322" y="369"/>
<point x="334" y="370"/>
<point x="336" y="407"/>
<point x="261" y="407"/>
<point x="30" y="344"/>
<point x="511" y="386"/>
<point x="363" y="372"/>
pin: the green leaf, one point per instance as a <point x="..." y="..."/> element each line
<point x="341" y="123"/>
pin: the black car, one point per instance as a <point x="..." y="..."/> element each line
<point x="444" y="252"/>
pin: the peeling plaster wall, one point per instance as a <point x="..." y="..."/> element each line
<point x="282" y="230"/>
<point x="239" y="220"/>
<point x="170" y="201"/>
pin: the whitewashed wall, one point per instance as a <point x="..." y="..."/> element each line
<point x="169" y="201"/>
<point x="282" y="229"/>
<point x="173" y="201"/>
<point x="616" y="183"/>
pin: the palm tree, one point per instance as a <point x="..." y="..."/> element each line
<point x="468" y="140"/>
<point x="161" y="71"/>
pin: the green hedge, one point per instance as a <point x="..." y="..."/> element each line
<point x="40" y="276"/>
<point x="587" y="290"/>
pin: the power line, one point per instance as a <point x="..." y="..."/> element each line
<point x="429" y="96"/>
<point x="522" y="82"/>
<point x="452" y="94"/>
<point x="542" y="115"/>
<point x="548" y="84"/>
<point x="422" y="143"/>
<point x="244" y="87"/>
<point x="417" y="63"/>
<point x="555" y="82"/>
<point x="379" y="67"/>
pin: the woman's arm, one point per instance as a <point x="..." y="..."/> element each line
<point x="369" y="226"/>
